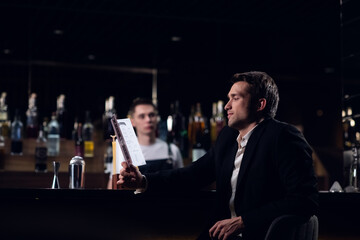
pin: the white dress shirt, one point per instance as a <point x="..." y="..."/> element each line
<point x="237" y="163"/>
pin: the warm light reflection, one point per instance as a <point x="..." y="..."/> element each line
<point x="169" y="123"/>
<point x="352" y="123"/>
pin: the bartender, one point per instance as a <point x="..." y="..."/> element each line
<point x="158" y="154"/>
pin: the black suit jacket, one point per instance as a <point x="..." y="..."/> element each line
<point x="276" y="176"/>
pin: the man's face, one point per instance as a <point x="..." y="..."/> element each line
<point x="144" y="119"/>
<point x="238" y="106"/>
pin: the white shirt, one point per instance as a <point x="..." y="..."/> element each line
<point x="237" y="163"/>
<point x="160" y="150"/>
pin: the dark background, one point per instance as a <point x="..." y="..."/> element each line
<point x="89" y="50"/>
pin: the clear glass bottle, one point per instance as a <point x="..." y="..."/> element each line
<point x="61" y="116"/>
<point x="88" y="129"/>
<point x="220" y="119"/>
<point x="2" y="151"/>
<point x="31" y="118"/>
<point x="45" y="127"/>
<point x="41" y="152"/>
<point x="354" y="168"/>
<point x="79" y="142"/>
<point x="53" y="141"/>
<point x="109" y="111"/>
<point x="17" y="135"/>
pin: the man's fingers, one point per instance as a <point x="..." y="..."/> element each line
<point x="214" y="230"/>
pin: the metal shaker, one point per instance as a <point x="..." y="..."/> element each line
<point x="77" y="172"/>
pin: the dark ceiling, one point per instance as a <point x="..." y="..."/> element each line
<point x="293" y="34"/>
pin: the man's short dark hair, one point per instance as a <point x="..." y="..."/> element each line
<point x="261" y="86"/>
<point x="140" y="101"/>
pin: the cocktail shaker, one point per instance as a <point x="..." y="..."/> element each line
<point x="77" y="173"/>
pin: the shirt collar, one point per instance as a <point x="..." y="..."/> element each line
<point x="243" y="141"/>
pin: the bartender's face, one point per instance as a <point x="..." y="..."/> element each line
<point x="238" y="106"/>
<point x="144" y="119"/>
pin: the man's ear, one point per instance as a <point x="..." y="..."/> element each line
<point x="261" y="104"/>
<point x="132" y="121"/>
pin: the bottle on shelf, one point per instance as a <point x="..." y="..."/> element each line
<point x="41" y="152"/>
<point x="17" y="135"/>
<point x="88" y="129"/>
<point x="191" y="135"/>
<point x="4" y="122"/>
<point x="31" y="118"/>
<point x="79" y="142"/>
<point x="217" y="121"/>
<point x="213" y="128"/>
<point x="220" y="118"/>
<point x="109" y="111"/>
<point x="354" y="179"/>
<point x="2" y="152"/>
<point x="177" y="129"/>
<point x="45" y="127"/>
<point x="198" y="131"/>
<point x="75" y="128"/>
<point x="61" y="116"/>
<point x="53" y="141"/>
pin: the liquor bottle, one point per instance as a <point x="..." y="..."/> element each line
<point x="45" y="127"/>
<point x="198" y="148"/>
<point x="31" y="121"/>
<point x="220" y="119"/>
<point x="41" y="152"/>
<point x="354" y="168"/>
<point x="3" y="107"/>
<point x="109" y="111"/>
<point x="53" y="141"/>
<point x="191" y="135"/>
<point x="74" y="131"/>
<point x="2" y="151"/>
<point x="79" y="142"/>
<point x="213" y="129"/>
<point x="178" y="133"/>
<point x="17" y="135"/>
<point x="61" y="116"/>
<point x="4" y="123"/>
<point x="198" y="144"/>
<point x="88" y="129"/>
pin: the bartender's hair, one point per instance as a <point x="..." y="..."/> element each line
<point x="140" y="101"/>
<point x="261" y="86"/>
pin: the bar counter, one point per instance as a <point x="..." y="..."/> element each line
<point x="116" y="214"/>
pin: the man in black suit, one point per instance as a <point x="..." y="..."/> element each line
<point x="262" y="167"/>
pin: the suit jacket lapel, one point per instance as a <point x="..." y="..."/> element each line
<point x="249" y="150"/>
<point x="228" y="167"/>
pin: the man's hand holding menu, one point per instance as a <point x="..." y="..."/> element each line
<point x="130" y="178"/>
